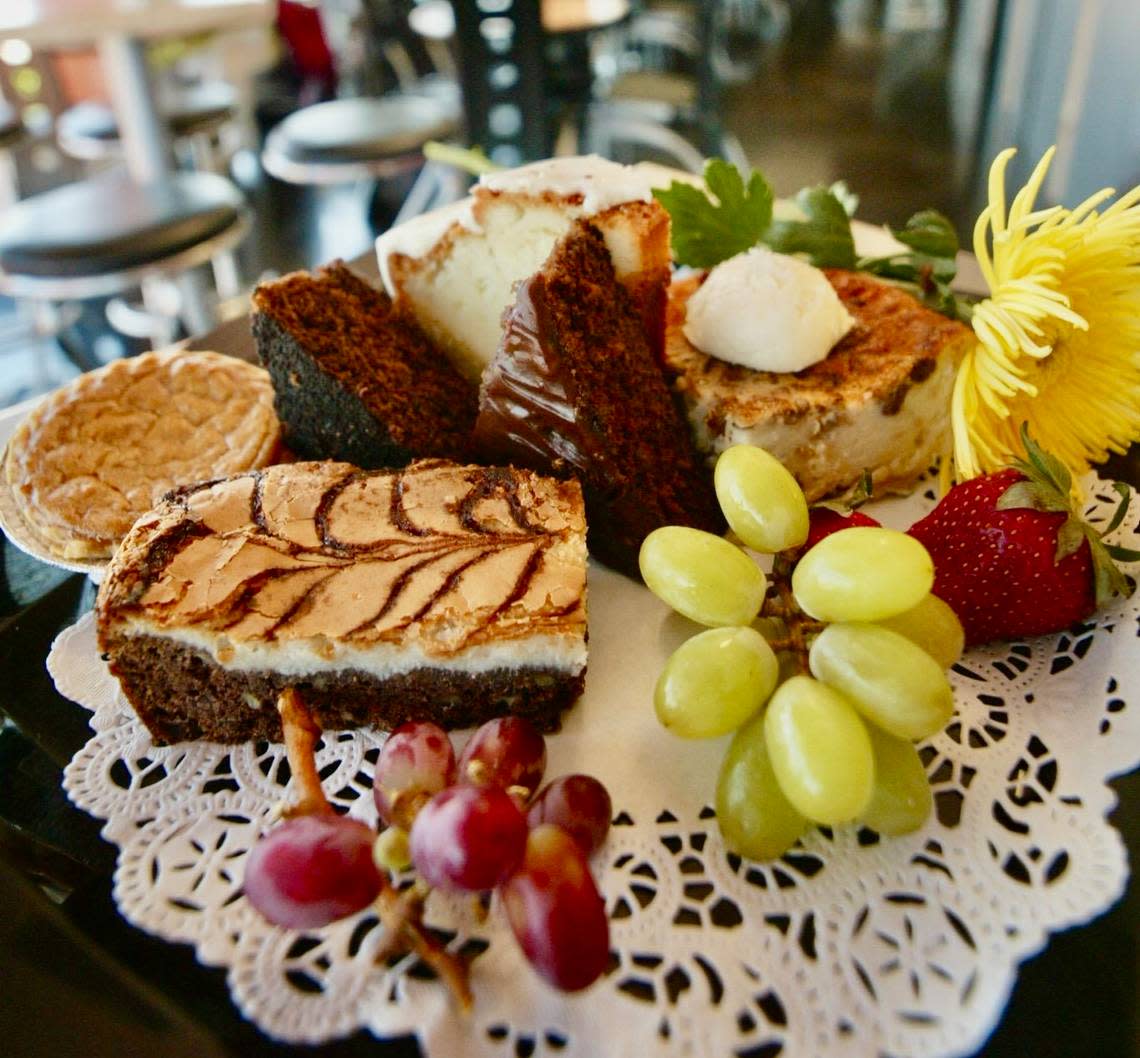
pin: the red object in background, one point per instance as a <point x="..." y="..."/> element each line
<point x="300" y="27"/>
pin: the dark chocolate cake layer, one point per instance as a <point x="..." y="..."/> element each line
<point x="575" y="386"/>
<point x="159" y="677"/>
<point x="354" y="378"/>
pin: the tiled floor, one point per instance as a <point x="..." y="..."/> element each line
<point x="831" y="99"/>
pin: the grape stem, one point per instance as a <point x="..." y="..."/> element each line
<point x="401" y="914"/>
<point x="301" y="733"/>
<point x="780" y="603"/>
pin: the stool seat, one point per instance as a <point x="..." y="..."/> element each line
<point x="363" y="130"/>
<point x="201" y="108"/>
<point x="110" y="224"/>
<point x="91" y="130"/>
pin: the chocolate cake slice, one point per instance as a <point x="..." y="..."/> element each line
<point x="439" y="592"/>
<point x="575" y="386"/>
<point x="354" y="377"/>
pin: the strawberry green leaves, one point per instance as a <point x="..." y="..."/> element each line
<point x="728" y="216"/>
<point x="1047" y="486"/>
<point x="731" y="218"/>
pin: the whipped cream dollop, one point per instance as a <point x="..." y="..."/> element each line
<point x="766" y="311"/>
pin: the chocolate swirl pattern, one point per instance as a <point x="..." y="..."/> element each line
<point x="445" y="556"/>
<point x="441" y="592"/>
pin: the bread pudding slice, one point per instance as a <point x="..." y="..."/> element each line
<point x="879" y="402"/>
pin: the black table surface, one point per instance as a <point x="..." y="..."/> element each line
<point x="75" y="979"/>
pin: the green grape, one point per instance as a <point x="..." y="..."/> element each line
<point x="901" y="800"/>
<point x="864" y="573"/>
<point x="933" y="626"/>
<point x="754" y="816"/>
<point x="761" y="500"/>
<point x="714" y="682"/>
<point x="891" y="681"/>
<point x="702" y="576"/>
<point x="820" y="751"/>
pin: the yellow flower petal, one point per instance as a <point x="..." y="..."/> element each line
<point x="1058" y="340"/>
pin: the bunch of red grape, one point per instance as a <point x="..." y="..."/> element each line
<point x="474" y="825"/>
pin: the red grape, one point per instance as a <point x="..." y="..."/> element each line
<point x="508" y="752"/>
<point x="311" y="870"/>
<point x="468" y="837"/>
<point x="415" y="763"/>
<point x="556" y="912"/>
<point x="579" y="804"/>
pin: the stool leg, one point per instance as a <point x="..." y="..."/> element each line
<point x="441" y="58"/>
<point x="146" y="143"/>
<point x="202" y="154"/>
<point x="227" y="278"/>
<point x="197" y="309"/>
<point x="158" y="302"/>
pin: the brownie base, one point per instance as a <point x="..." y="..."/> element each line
<point x="182" y="694"/>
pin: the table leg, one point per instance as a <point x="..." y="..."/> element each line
<point x="142" y="132"/>
<point x="146" y="146"/>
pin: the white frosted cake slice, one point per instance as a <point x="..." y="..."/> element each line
<point x="442" y="592"/>
<point x="456" y="267"/>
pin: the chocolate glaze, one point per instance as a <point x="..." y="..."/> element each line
<point x="495" y="481"/>
<point x="526" y="407"/>
<point x="324" y="508"/>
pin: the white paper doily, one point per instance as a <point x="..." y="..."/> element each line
<point x="847" y="946"/>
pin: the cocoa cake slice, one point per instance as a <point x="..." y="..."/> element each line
<point x="441" y="592"/>
<point x="354" y="377"/>
<point x="575" y="385"/>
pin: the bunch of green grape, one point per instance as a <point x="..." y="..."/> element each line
<point x="826" y="722"/>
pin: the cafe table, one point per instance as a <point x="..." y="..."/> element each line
<point x="121" y="31"/>
<point x="75" y="978"/>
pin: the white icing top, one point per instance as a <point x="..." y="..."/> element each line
<point x="601" y="184"/>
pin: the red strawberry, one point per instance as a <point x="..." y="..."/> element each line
<point x="823" y="521"/>
<point x="1010" y="556"/>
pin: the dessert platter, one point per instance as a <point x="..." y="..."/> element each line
<point x="590" y="474"/>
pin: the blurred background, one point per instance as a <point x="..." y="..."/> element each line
<point x="157" y="159"/>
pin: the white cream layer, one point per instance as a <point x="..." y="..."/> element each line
<point x="304" y="657"/>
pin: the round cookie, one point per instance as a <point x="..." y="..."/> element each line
<point x="103" y="450"/>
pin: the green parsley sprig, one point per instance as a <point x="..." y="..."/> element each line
<point x="728" y="216"/>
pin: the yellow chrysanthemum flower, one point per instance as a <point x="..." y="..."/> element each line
<point x="1059" y="336"/>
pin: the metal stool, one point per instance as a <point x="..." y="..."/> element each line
<point x="668" y="74"/>
<point x="108" y="235"/>
<point x="194" y="115"/>
<point x="357" y="139"/>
